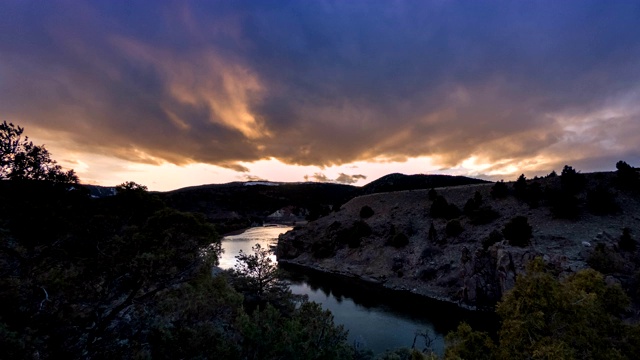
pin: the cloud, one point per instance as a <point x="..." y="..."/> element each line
<point x="252" y="178"/>
<point x="328" y="83"/>
<point x="319" y="177"/>
<point x="341" y="179"/>
<point x="349" y="179"/>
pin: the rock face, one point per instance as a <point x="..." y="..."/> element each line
<point x="401" y="246"/>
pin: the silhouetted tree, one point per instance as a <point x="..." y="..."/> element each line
<point x="571" y="180"/>
<point x="366" y="212"/>
<point x="433" y="235"/>
<point x="499" y="190"/>
<point x="626" y="242"/>
<point x="432" y="194"/>
<point x="601" y="201"/>
<point x="454" y="228"/>
<point x="20" y="159"/>
<point x="518" y="231"/>
<point x="520" y="187"/>
<point x="440" y="207"/>
<point x="627" y="176"/>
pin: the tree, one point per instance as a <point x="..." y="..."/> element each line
<point x="520" y="187"/>
<point x="366" y="212"/>
<point x="571" y="181"/>
<point x="257" y="277"/>
<point x="499" y="190"/>
<point x="578" y="317"/>
<point x="518" y="231"/>
<point x="627" y="175"/>
<point x="20" y="159"/>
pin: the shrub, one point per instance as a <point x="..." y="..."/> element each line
<point x="627" y="176"/>
<point x="453" y="211"/>
<point x="499" y="190"/>
<point x="601" y="202"/>
<point x="534" y="195"/>
<point x="432" y="194"/>
<point x="518" y="231"/>
<point x="494" y="237"/>
<point x="353" y="235"/>
<point x="429" y="252"/>
<point x="520" y="187"/>
<point x="604" y="260"/>
<point x="484" y="215"/>
<point x="571" y="181"/>
<point x="366" y="212"/>
<point x="428" y="274"/>
<point x="454" y="228"/>
<point x="473" y="203"/>
<point x="323" y="249"/>
<point x="433" y="234"/>
<point x="440" y="207"/>
<point x="626" y="242"/>
<point x="469" y="207"/>
<point x="565" y="205"/>
<point x="399" y="240"/>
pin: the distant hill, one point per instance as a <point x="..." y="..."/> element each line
<point x="240" y="204"/>
<point x="399" y="182"/>
<point x="97" y="191"/>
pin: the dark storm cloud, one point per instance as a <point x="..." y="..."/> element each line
<point x="326" y="82"/>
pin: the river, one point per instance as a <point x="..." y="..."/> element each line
<point x="375" y="319"/>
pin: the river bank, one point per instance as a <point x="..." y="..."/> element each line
<point x="376" y="318"/>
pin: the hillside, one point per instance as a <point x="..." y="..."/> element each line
<point x="465" y="257"/>
<point x="240" y="204"/>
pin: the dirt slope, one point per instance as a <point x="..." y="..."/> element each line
<point x="459" y="268"/>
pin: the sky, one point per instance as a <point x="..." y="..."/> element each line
<point x="178" y="93"/>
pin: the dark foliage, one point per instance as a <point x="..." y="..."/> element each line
<point x="571" y="181"/>
<point x="600" y="201"/>
<point x="520" y="187"/>
<point x="443" y="209"/>
<point x="366" y="212"/>
<point x="429" y="252"/>
<point x="428" y="274"/>
<point x="626" y="242"/>
<point x="432" y="194"/>
<point x="440" y="207"/>
<point x="323" y="249"/>
<point x="20" y="159"/>
<point x="534" y="195"/>
<point x="398" y="240"/>
<point x="604" y="260"/>
<point x="494" y="237"/>
<point x="518" y="231"/>
<point x="499" y="190"/>
<point x="352" y="236"/>
<point x="433" y="234"/>
<point x="453" y="228"/>
<point x="128" y="277"/>
<point x="484" y="215"/>
<point x="565" y="205"/>
<point x="473" y="203"/>
<point x="627" y="176"/>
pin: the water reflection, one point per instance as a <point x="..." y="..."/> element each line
<point x="376" y="318"/>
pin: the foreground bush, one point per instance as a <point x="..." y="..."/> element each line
<point x="579" y="317"/>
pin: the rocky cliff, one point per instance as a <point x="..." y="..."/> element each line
<point x="471" y="252"/>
